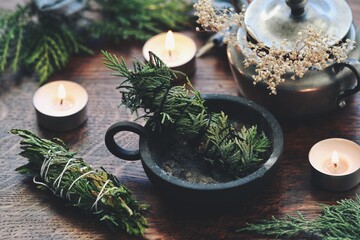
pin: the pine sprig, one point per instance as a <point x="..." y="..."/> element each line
<point x="69" y="177"/>
<point x="181" y="109"/>
<point x="137" y="19"/>
<point x="339" y="221"/>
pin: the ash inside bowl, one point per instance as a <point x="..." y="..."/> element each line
<point x="182" y="160"/>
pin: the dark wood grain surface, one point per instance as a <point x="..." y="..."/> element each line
<point x="29" y="213"/>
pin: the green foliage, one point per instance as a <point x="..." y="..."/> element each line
<point x="42" y="44"/>
<point x="12" y="26"/>
<point x="69" y="177"/>
<point x="50" y="46"/>
<point x="181" y="109"/>
<point x="238" y="152"/>
<point x="168" y="105"/>
<point x="137" y="19"/>
<point x="340" y="221"/>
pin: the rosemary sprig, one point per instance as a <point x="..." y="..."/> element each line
<point x="181" y="109"/>
<point x="339" y="221"/>
<point x="69" y="177"/>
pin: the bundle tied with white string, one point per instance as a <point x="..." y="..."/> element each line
<point x="69" y="177"/>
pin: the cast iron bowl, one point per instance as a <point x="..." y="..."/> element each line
<point x="151" y="147"/>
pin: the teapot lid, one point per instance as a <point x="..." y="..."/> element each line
<point x="272" y="21"/>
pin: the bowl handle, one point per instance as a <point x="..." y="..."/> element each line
<point x="354" y="66"/>
<point x="117" y="150"/>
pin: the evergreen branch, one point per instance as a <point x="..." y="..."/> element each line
<point x="51" y="45"/>
<point x="69" y="177"/>
<point x="43" y="43"/>
<point x="40" y="43"/>
<point x="18" y="46"/>
<point x="175" y="108"/>
<point x="137" y="19"/>
<point x="12" y="26"/>
<point x="340" y="221"/>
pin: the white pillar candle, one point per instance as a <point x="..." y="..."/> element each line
<point x="60" y="105"/>
<point x="176" y="50"/>
<point x="335" y="164"/>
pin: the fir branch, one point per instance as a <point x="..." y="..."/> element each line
<point x="69" y="177"/>
<point x="175" y="108"/>
<point x="340" y="221"/>
<point x="137" y="19"/>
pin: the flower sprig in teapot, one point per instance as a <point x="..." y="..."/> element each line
<point x="312" y="49"/>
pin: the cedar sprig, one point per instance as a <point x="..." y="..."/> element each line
<point x="164" y="105"/>
<point x="137" y="19"/>
<point x="51" y="45"/>
<point x="40" y="43"/>
<point x="237" y="152"/>
<point x="339" y="221"/>
<point x="69" y="177"/>
<point x="12" y="25"/>
<point x="181" y="109"/>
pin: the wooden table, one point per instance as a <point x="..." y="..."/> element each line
<point x="29" y="213"/>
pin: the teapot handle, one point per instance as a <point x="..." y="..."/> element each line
<point x="354" y="66"/>
<point x="117" y="150"/>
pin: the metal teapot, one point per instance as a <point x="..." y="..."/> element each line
<point x="317" y="92"/>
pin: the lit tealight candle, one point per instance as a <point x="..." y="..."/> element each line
<point x="170" y="44"/>
<point x="60" y="106"/>
<point x="62" y="103"/>
<point x="335" y="164"/>
<point x="176" y="50"/>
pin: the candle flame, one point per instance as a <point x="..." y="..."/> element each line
<point x="169" y="42"/>
<point x="335" y="158"/>
<point x="61" y="92"/>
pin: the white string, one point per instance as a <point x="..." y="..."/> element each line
<point x="100" y="195"/>
<point x="44" y="171"/>
<point x="39" y="183"/>
<point x="46" y="164"/>
<point x="61" y="192"/>
<point x="59" y="178"/>
<point x="72" y="184"/>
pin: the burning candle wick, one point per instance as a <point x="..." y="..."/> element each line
<point x="335" y="165"/>
<point x="169" y="43"/>
<point x="61" y="93"/>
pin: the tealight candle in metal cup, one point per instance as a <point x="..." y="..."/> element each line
<point x="335" y="164"/>
<point x="60" y="106"/>
<point x="176" y="50"/>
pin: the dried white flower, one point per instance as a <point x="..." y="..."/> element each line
<point x="311" y="50"/>
<point x="217" y="20"/>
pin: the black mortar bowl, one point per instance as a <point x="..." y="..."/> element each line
<point x="151" y="147"/>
